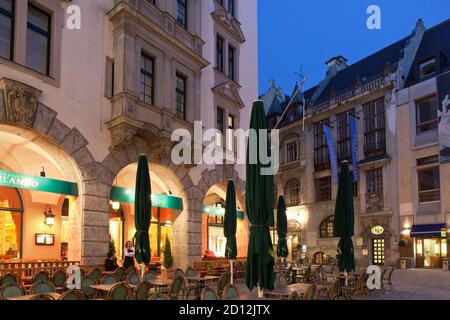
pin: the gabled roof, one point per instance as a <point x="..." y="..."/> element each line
<point x="435" y="43"/>
<point x="275" y="108"/>
<point x="364" y="70"/>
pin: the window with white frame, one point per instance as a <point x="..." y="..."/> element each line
<point x="7" y="28"/>
<point x="428" y="176"/>
<point x="38" y="40"/>
<point x="426" y="115"/>
<point x="291" y="151"/>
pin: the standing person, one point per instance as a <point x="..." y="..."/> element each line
<point x="129" y="255"/>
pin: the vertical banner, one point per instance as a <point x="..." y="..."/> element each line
<point x="443" y="89"/>
<point x="353" y="126"/>
<point x="332" y="151"/>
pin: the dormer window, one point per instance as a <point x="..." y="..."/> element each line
<point x="427" y="68"/>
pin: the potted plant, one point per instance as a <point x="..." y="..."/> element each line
<point x="167" y="270"/>
<point x="402" y="243"/>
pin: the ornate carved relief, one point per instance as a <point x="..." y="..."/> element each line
<point x="160" y="149"/>
<point x="20" y="102"/>
<point x="122" y="135"/>
<point x="230" y="23"/>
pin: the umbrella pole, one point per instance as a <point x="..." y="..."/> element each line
<point x="260" y="292"/>
<point x="142" y="270"/>
<point x="231" y="271"/>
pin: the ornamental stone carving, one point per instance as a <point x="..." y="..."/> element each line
<point x="230" y="23"/>
<point x="20" y="102"/>
<point x="122" y="136"/>
<point x="160" y="150"/>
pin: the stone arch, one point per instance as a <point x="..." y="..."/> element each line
<point x="59" y="137"/>
<point x="184" y="248"/>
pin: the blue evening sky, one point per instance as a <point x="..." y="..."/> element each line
<point x="292" y="32"/>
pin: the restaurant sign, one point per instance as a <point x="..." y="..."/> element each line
<point x="217" y="211"/>
<point x="158" y="200"/>
<point x="23" y="181"/>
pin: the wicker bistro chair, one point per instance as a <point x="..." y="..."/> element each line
<point x="40" y="276"/>
<point x="9" y="290"/>
<point x="120" y="273"/>
<point x="86" y="287"/>
<point x="8" y="278"/>
<point x="223" y="281"/>
<point x="159" y="296"/>
<point x="176" y="287"/>
<point x="333" y="290"/>
<point x="179" y="273"/>
<point x="108" y="279"/>
<point x="190" y="286"/>
<point x="133" y="278"/>
<point x="230" y="292"/>
<point x="72" y="295"/>
<point x="357" y="289"/>
<point x="142" y="291"/>
<point x="59" y="279"/>
<point x="149" y="276"/>
<point x="42" y="287"/>
<point x="383" y="275"/>
<point x="281" y="281"/>
<point x="388" y="279"/>
<point x="120" y="291"/>
<point x="95" y="274"/>
<point x="311" y="293"/>
<point x="42" y="296"/>
<point x="289" y="275"/>
<point x="209" y="294"/>
<point x="292" y="296"/>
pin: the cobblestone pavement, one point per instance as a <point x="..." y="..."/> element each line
<point x="417" y="284"/>
<point x="413" y="284"/>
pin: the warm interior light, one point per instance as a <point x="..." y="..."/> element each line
<point x="49" y="216"/>
<point x="115" y="205"/>
<point x="406" y="232"/>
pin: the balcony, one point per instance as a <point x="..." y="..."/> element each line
<point x="374" y="202"/>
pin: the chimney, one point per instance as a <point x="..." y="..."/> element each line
<point x="335" y="65"/>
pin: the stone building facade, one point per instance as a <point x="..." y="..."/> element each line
<point x="81" y="105"/>
<point x="375" y="90"/>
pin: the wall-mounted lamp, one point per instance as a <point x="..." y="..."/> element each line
<point x="49" y="219"/>
<point x="115" y="205"/>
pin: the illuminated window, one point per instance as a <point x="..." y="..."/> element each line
<point x="326" y="228"/>
<point x="11" y="215"/>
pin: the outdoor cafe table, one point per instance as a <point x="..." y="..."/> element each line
<point x="286" y="291"/>
<point x="160" y="283"/>
<point x="201" y="282"/>
<point x="30" y="296"/>
<point x="107" y="287"/>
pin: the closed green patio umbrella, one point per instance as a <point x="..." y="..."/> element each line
<point x="282" y="249"/>
<point x="344" y="221"/>
<point x="142" y="212"/>
<point x="230" y="224"/>
<point x="259" y="204"/>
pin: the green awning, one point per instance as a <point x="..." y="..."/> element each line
<point x="158" y="200"/>
<point x="216" y="211"/>
<point x="35" y="183"/>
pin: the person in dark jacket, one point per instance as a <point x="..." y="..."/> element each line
<point x="111" y="262"/>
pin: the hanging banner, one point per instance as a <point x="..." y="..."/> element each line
<point x="332" y="151"/>
<point x="353" y="126"/>
<point x="443" y="89"/>
<point x="158" y="200"/>
<point x="23" y="181"/>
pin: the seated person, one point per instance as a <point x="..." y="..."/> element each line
<point x="111" y="262"/>
<point x="209" y="254"/>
